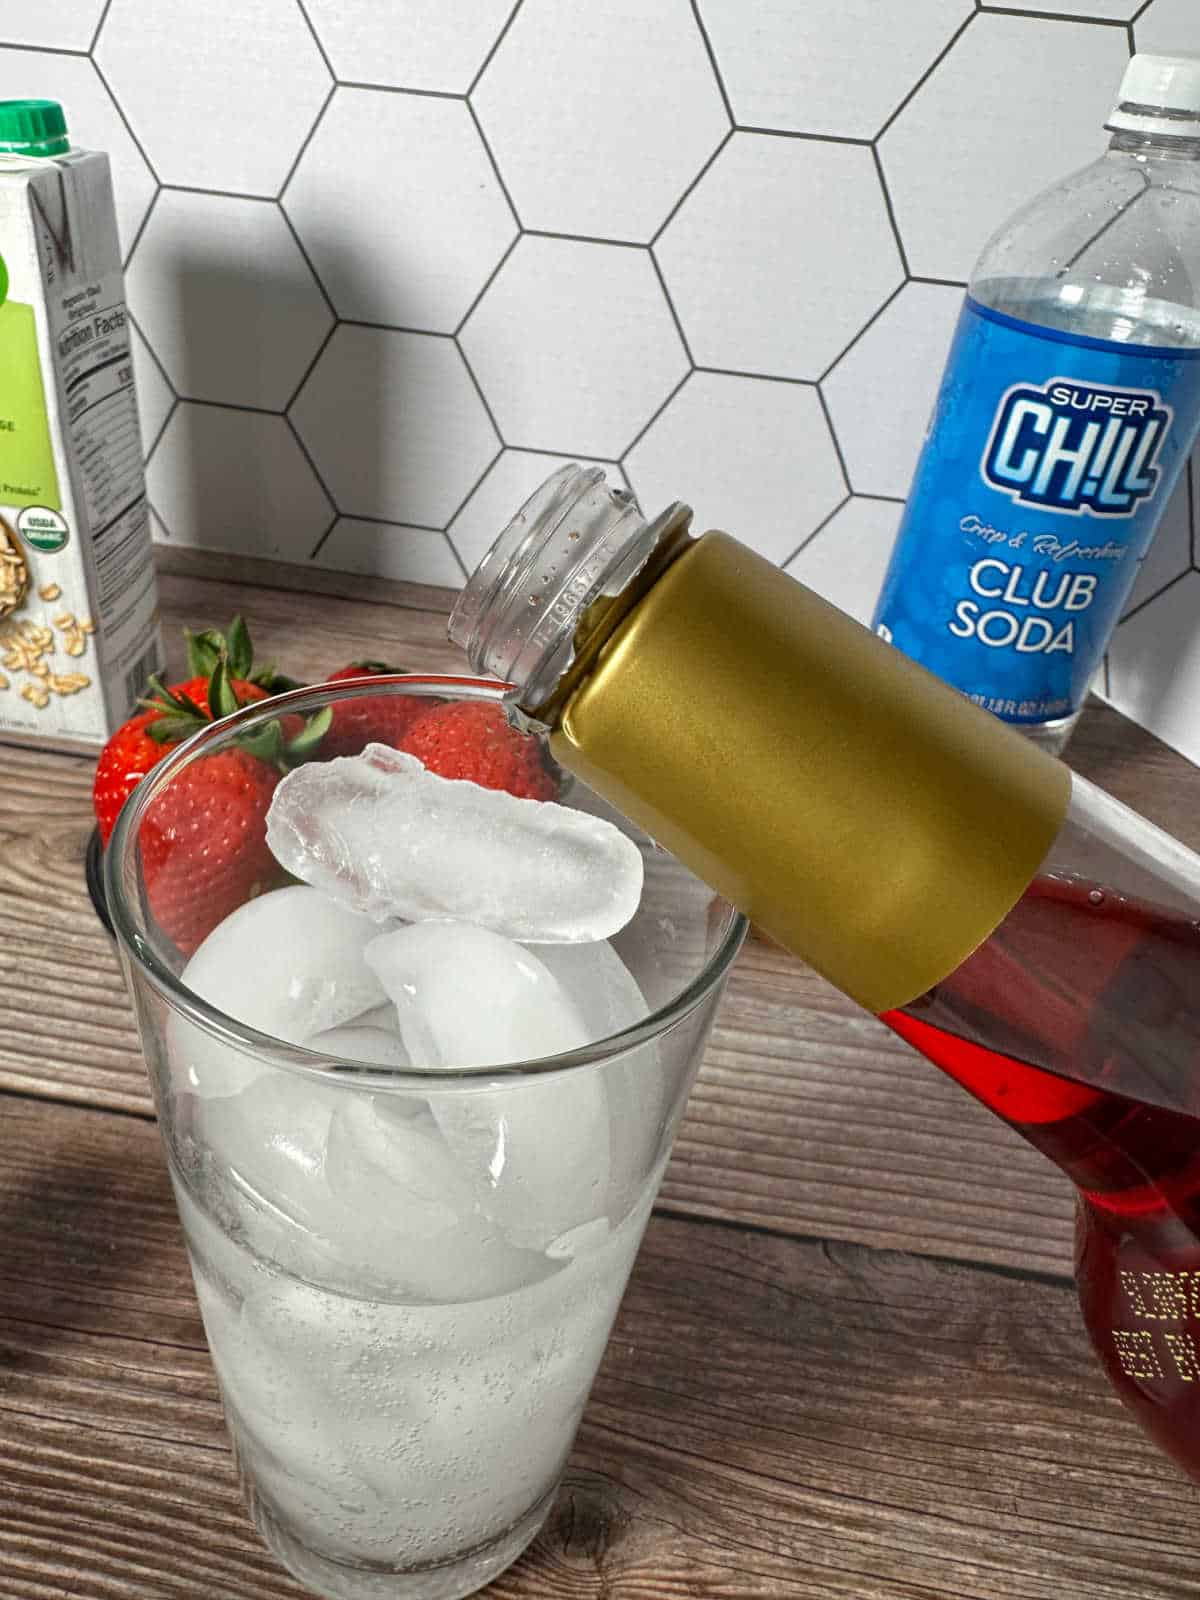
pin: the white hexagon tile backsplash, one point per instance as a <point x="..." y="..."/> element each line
<point x="391" y="261"/>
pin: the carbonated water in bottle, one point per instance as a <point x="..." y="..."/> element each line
<point x="1068" y="407"/>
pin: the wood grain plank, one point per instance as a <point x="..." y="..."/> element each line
<point x="774" y="1417"/>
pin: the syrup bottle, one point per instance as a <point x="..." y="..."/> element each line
<point x="1032" y="937"/>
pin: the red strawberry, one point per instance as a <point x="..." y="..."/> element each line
<point x="133" y="750"/>
<point x="471" y="739"/>
<point x="171" y="715"/>
<point x="370" y="718"/>
<point x="204" y="845"/>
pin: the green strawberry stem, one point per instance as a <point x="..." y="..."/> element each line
<point x="222" y="658"/>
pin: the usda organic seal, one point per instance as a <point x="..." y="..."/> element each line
<point x="43" y="529"/>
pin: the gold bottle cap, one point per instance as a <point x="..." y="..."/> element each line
<point x="867" y="816"/>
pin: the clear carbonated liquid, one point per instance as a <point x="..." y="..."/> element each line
<point x="399" y="1437"/>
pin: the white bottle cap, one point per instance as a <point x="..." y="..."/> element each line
<point x="1159" y="94"/>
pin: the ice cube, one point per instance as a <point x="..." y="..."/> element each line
<point x="599" y="983"/>
<point x="467" y="997"/>
<point x="405" y="1215"/>
<point x="389" y="839"/>
<point x="359" y="1041"/>
<point x="264" y="1148"/>
<point x="610" y="1000"/>
<point x="289" y="963"/>
<point x="535" y="1148"/>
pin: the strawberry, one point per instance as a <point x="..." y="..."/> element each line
<point x="370" y="718"/>
<point x="175" y="713"/>
<point x="471" y="739"/>
<point x="204" y="846"/>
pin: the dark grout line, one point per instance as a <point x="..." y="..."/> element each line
<point x="141" y="229"/>
<point x="462" y="504"/>
<point x="867" y="325"/>
<point x="120" y="110"/>
<point x="929" y="71"/>
<point x="713" y="63"/>
<point x="398" y="88"/>
<point x="316" y="471"/>
<point x="166" y="376"/>
<point x="837" y="446"/>
<point x="890" y="209"/>
<point x="584" y="238"/>
<point x="96" y="32"/>
<point x="316" y="39"/>
<point x="483" y="399"/>
<point x="674" y="211"/>
<point x="757" y="377"/>
<point x="662" y="283"/>
<point x="333" y="522"/>
<point x="43" y="49"/>
<point x="458" y="560"/>
<point x="491" y="155"/>
<point x="308" y="371"/>
<point x="499" y="40"/>
<point x="309" y="263"/>
<point x="394" y="327"/>
<point x="150" y="448"/>
<point x="1157" y="595"/>
<point x="646" y="426"/>
<point x="304" y="143"/>
<point x="823" y="524"/>
<point x="802" y="134"/>
<point x="219" y="194"/>
<point x="1052" y="16"/>
<point x="231" y="405"/>
<point x="488" y="282"/>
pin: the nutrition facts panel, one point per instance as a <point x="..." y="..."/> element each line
<point x="101" y="414"/>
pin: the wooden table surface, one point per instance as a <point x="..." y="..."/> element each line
<point x="849" y="1361"/>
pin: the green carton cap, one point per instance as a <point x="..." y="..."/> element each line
<point x="33" y="128"/>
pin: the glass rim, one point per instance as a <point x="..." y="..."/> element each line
<point x="139" y="952"/>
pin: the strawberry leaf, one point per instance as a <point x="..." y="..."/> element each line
<point x="204" y="650"/>
<point x="171" y="730"/>
<point x="266" y="743"/>
<point x="310" y="736"/>
<point x="174" y="702"/>
<point x="220" y="691"/>
<point x="238" y="649"/>
<point x="275" y="682"/>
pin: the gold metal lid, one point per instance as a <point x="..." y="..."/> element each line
<point x="864" y="814"/>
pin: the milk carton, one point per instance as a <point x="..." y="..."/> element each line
<point x="78" y="605"/>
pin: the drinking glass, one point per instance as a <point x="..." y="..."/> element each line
<point x="408" y="1277"/>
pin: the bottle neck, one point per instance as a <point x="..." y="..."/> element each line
<point x="1150" y="134"/>
<point x="557" y="580"/>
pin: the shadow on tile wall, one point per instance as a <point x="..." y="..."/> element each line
<point x="390" y="265"/>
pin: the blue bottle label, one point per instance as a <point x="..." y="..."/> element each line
<point x="1049" y="460"/>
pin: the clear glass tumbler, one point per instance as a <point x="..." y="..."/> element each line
<point x="407" y="1276"/>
